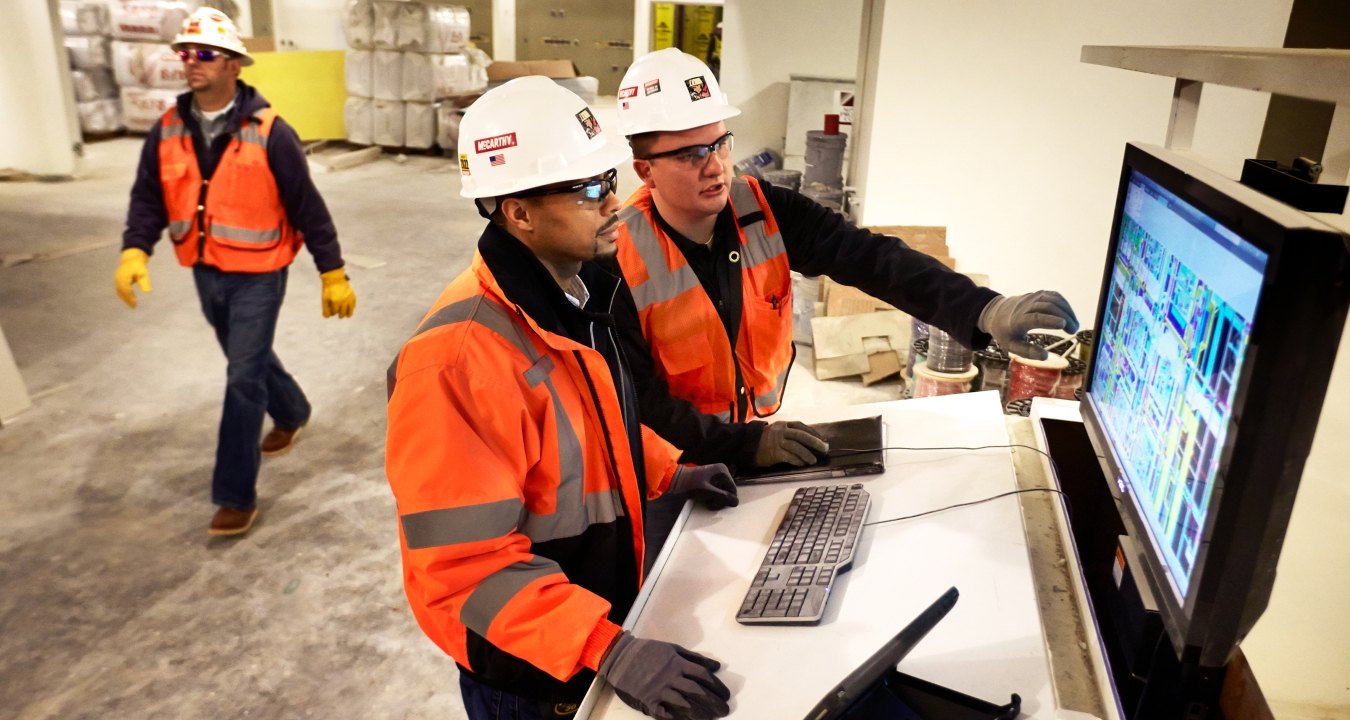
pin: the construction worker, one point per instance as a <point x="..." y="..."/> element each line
<point x="514" y="449"/>
<point x="708" y="258"/>
<point x="230" y="181"/>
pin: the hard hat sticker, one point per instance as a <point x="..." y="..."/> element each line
<point x="463" y="164"/>
<point x="698" y="88"/>
<point x="496" y="142"/>
<point x="651" y="87"/>
<point x="495" y="160"/>
<point x="588" y="123"/>
<point x="630" y="91"/>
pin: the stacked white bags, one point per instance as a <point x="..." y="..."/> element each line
<point x="85" y="23"/>
<point x="147" y="69"/>
<point x="403" y="58"/>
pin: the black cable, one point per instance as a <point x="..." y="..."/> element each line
<point x="1068" y="507"/>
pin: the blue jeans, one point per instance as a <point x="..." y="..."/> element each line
<point x="484" y="703"/>
<point x="243" y="310"/>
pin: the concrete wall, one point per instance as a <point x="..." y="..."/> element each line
<point x="38" y="118"/>
<point x="765" y="42"/>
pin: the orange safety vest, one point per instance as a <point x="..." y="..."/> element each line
<point x="689" y="344"/>
<point x="501" y="436"/>
<point x="240" y="225"/>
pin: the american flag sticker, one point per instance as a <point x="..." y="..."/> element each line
<point x="498" y="159"/>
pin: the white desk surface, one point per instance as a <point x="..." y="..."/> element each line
<point x="989" y="646"/>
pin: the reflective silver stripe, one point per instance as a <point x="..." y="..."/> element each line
<point x="244" y="234"/>
<point x="174" y="129"/>
<point x="179" y="228"/>
<point x="575" y="509"/>
<point x="759" y="247"/>
<point x="451" y="526"/>
<point x="251" y="134"/>
<point x="724" y="416"/>
<point x="766" y="400"/>
<point x="662" y="284"/>
<point x="497" y="589"/>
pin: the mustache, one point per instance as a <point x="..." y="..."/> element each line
<point x="609" y="225"/>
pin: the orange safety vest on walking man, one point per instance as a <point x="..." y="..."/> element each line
<point x="481" y="391"/>
<point x="690" y="347"/>
<point x="236" y="221"/>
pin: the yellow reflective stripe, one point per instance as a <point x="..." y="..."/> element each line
<point x="575" y="509"/>
<point x="244" y="234"/>
<point x="497" y="589"/>
<point x="451" y="526"/>
<point x="662" y="284"/>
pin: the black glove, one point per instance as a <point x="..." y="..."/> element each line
<point x="664" y="680"/>
<point x="709" y="484"/>
<point x="1009" y="319"/>
<point x="789" y="442"/>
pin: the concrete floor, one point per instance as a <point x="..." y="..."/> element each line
<point x="116" y="604"/>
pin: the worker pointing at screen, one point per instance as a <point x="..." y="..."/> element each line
<point x="708" y="258"/>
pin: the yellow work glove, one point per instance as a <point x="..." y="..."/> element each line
<point x="338" y="297"/>
<point x="132" y="270"/>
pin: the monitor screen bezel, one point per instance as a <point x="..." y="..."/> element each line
<point x="1266" y="444"/>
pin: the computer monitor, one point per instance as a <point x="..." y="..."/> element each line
<point x="1220" y="313"/>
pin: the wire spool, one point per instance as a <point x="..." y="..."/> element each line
<point x="918" y="357"/>
<point x="1085" y="340"/>
<point x="1018" y="407"/>
<point x="1035" y="378"/>
<point x="945" y="354"/>
<point x="931" y="383"/>
<point x="992" y="365"/>
<point x="1071" y="379"/>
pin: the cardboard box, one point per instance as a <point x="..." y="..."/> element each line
<point x="927" y="239"/>
<point x="504" y="70"/>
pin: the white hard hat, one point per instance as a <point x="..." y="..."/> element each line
<point x="670" y="90"/>
<point x="529" y="133"/>
<point x="212" y="28"/>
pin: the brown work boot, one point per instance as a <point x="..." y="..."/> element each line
<point x="278" y="441"/>
<point x="232" y="521"/>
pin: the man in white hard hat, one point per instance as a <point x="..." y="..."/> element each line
<point x="230" y="181"/>
<point x="708" y="258"/>
<point x="514" y="449"/>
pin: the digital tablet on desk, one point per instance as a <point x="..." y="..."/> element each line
<point x="855" y="449"/>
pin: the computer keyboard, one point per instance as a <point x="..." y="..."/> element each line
<point x="813" y="544"/>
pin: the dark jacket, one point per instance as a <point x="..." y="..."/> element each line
<point x="147" y="217"/>
<point x="819" y="241"/>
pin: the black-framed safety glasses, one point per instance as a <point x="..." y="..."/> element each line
<point x="695" y="156"/>
<point x="594" y="189"/>
<point x="200" y="54"/>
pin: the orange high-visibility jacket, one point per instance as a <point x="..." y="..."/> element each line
<point x="504" y="437"/>
<point x="689" y="344"/>
<point x="235" y="221"/>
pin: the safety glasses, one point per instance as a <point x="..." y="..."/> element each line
<point x="695" y="156"/>
<point x="594" y="189"/>
<point x="200" y="55"/>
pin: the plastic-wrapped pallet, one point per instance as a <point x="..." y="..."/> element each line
<point x="358" y="24"/>
<point x="87" y="52"/>
<point x="450" y="76"/>
<point x="100" y="116"/>
<point x="447" y="126"/>
<point x="419" y="125"/>
<point x="387" y="122"/>
<point x="91" y="85"/>
<point x="419" y="84"/>
<point x="359" y="117"/>
<point x="388" y="83"/>
<point x="447" y="29"/>
<point x="360" y="72"/>
<point x="142" y="107"/>
<point x="411" y="27"/>
<point x="148" y="20"/>
<point x="585" y="87"/>
<point x="147" y="65"/>
<point x="84" y="17"/>
<point x="478" y="63"/>
<point x="384" y="28"/>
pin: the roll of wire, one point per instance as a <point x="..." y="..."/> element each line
<point x="945" y="354"/>
<point x="992" y="363"/>
<point x="931" y="383"/>
<point x="1035" y="378"/>
<point x="1071" y="379"/>
<point x="918" y="357"/>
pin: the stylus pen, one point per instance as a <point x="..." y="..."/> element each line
<point x="864" y="678"/>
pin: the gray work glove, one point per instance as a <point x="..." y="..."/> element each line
<point x="1009" y="319"/>
<point x="664" y="680"/>
<point x="791" y="443"/>
<point x="709" y="484"/>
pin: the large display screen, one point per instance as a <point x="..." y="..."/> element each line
<point x="1173" y="335"/>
